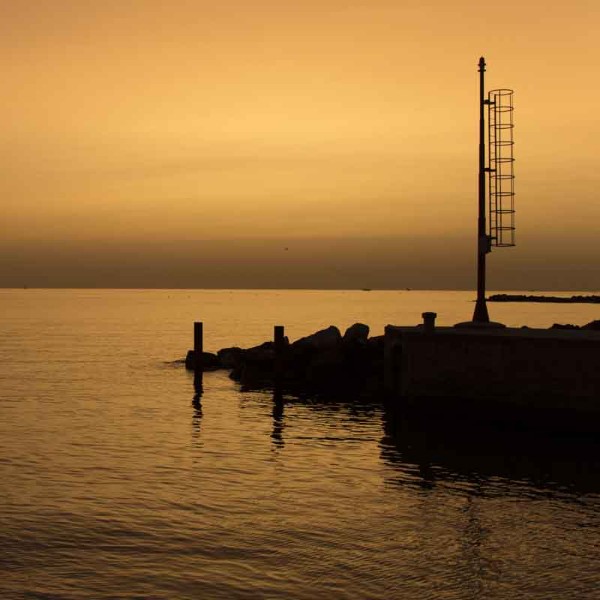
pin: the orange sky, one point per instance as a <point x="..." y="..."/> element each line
<point x="149" y="121"/>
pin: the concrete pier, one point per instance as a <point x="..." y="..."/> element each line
<point x="524" y="367"/>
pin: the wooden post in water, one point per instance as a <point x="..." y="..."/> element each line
<point x="198" y="341"/>
<point x="279" y="342"/>
<point x="198" y="350"/>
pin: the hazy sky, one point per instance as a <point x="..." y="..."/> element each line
<point x="154" y="143"/>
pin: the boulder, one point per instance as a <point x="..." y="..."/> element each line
<point x="375" y="346"/>
<point x="230" y="358"/>
<point x="325" y="339"/>
<point x="257" y="365"/>
<point x="356" y="334"/>
<point x="327" y="369"/>
<point x="355" y="352"/>
<point x="210" y="361"/>
<point x="262" y="352"/>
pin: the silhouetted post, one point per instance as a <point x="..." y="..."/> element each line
<point x="279" y="342"/>
<point x="483" y="242"/>
<point x="198" y="350"/>
<point x="198" y="343"/>
<point x="278" y="405"/>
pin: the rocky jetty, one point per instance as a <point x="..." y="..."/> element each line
<point x="557" y="299"/>
<point x="591" y="326"/>
<point x="325" y="361"/>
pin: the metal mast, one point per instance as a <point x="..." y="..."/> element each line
<point x="483" y="241"/>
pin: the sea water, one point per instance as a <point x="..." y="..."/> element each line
<point x="115" y="484"/>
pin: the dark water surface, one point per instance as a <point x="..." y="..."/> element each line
<point x="114" y="485"/>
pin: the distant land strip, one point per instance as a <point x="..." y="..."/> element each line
<point x="557" y="299"/>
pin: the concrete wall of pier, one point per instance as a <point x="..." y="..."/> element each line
<point x="523" y="366"/>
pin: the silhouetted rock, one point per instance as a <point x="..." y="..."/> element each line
<point x="263" y="351"/>
<point x="374" y="365"/>
<point x="257" y="365"/>
<point x="230" y="358"/>
<point x="321" y="362"/>
<point x="532" y="298"/>
<point x="375" y="344"/>
<point x="210" y="361"/>
<point x="591" y="326"/>
<point x="325" y="369"/>
<point x="321" y="340"/>
<point x="356" y="334"/>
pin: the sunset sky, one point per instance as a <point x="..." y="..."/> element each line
<point x="264" y="143"/>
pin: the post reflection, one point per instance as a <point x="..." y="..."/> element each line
<point x="198" y="383"/>
<point x="197" y="405"/>
<point x="278" y="424"/>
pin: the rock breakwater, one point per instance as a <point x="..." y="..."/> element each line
<point x="533" y="298"/>
<point x="325" y="361"/>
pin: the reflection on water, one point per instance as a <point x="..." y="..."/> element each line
<point x="477" y="453"/>
<point x="115" y="487"/>
<point x="197" y="405"/>
<point x="198" y="385"/>
<point x="278" y="425"/>
<point x="492" y="508"/>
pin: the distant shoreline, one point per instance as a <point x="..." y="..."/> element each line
<point x="556" y="299"/>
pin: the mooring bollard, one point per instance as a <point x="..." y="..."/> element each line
<point x="429" y="321"/>
<point x="278" y="339"/>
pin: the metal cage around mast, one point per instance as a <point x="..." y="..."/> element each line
<point x="501" y="187"/>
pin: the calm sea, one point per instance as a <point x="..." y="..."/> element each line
<point x="113" y="485"/>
